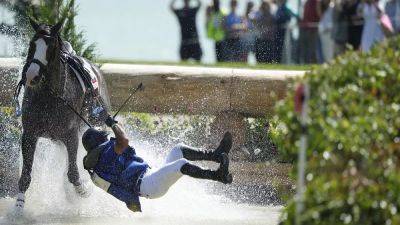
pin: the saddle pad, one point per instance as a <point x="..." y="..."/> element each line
<point x="85" y="73"/>
<point x="83" y="69"/>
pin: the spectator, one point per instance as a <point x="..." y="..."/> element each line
<point x="249" y="35"/>
<point x="325" y="30"/>
<point x="266" y="30"/>
<point x="234" y="30"/>
<point x="190" y="45"/>
<point x="283" y="16"/>
<point x="309" y="32"/>
<point x="215" y="30"/>
<point x="392" y="9"/>
<point x="372" y="31"/>
<point x="355" y="24"/>
<point x="340" y="32"/>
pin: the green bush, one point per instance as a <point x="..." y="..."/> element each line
<point x="353" y="158"/>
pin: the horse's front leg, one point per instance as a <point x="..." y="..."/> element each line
<point x="28" y="146"/>
<point x="71" y="142"/>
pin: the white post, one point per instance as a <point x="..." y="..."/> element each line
<point x="302" y="156"/>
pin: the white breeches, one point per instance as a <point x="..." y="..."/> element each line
<point x="155" y="183"/>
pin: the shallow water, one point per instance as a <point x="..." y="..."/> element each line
<point x="51" y="199"/>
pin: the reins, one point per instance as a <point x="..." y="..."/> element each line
<point x="64" y="58"/>
<point x="70" y="107"/>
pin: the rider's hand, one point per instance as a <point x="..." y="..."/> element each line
<point x="100" y="113"/>
<point x="110" y="121"/>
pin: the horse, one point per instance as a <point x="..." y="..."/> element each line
<point x="52" y="99"/>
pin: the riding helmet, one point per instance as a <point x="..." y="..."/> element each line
<point x="93" y="138"/>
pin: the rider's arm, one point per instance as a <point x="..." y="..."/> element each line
<point x="122" y="142"/>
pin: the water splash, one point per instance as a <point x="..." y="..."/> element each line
<point x="51" y="198"/>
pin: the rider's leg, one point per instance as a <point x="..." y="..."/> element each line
<point x="156" y="184"/>
<point x="195" y="154"/>
<point x="221" y="174"/>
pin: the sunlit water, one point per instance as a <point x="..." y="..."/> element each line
<point x="52" y="200"/>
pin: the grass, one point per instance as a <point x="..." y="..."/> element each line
<point x="225" y="65"/>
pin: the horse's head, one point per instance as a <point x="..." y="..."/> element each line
<point x="44" y="48"/>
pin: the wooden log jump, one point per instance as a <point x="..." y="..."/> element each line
<point x="229" y="94"/>
<point x="198" y="90"/>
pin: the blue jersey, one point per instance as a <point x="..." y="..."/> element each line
<point x="232" y="19"/>
<point x="121" y="171"/>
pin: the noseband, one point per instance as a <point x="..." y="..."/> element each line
<point x="43" y="72"/>
<point x="42" y="68"/>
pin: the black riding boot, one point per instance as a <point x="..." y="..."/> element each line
<point x="221" y="175"/>
<point x="195" y="154"/>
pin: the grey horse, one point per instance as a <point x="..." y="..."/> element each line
<point x="50" y="89"/>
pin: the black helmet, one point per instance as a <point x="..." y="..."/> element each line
<point x="93" y="138"/>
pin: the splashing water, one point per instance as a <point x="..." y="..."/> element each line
<point x="51" y="198"/>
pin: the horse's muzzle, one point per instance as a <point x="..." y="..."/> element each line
<point x="34" y="74"/>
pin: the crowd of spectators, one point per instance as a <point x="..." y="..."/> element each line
<point x="259" y="31"/>
<point x="326" y="29"/>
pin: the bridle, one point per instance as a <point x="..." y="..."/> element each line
<point x="42" y="74"/>
<point x="43" y="69"/>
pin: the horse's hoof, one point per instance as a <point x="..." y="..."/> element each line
<point x="18" y="211"/>
<point x="19" y="205"/>
<point x="84" y="190"/>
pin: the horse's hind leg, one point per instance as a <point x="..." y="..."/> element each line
<point x="28" y="152"/>
<point x="71" y="142"/>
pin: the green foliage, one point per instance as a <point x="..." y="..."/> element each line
<point x="354" y="139"/>
<point x="192" y="130"/>
<point x="196" y="129"/>
<point x="260" y="66"/>
<point x="51" y="12"/>
<point x="258" y="140"/>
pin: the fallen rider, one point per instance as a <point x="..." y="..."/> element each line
<point x="115" y="167"/>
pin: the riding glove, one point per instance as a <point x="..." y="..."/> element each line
<point x="110" y="121"/>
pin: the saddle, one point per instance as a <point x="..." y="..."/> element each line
<point x="83" y="70"/>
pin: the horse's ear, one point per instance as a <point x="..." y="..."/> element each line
<point x="35" y="25"/>
<point x="56" y="28"/>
